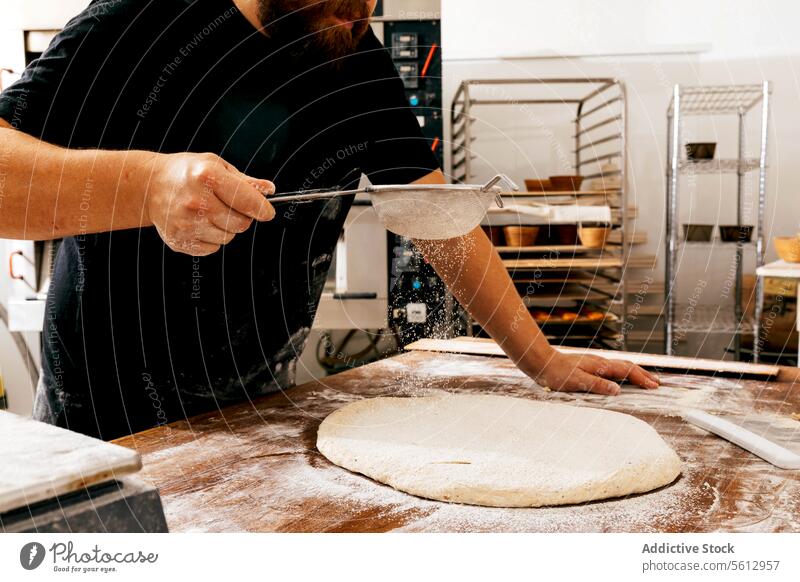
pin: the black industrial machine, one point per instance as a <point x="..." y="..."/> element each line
<point x="419" y="305"/>
<point x="417" y="54"/>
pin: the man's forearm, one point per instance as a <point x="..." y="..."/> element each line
<point x="50" y="192"/>
<point x="473" y="271"/>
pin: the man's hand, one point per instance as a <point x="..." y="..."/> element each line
<point x="588" y="373"/>
<point x="199" y="202"/>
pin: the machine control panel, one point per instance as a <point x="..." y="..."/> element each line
<point x="415" y="47"/>
<point x="404" y="45"/>
<point x="409" y="72"/>
<point x="417" y="297"/>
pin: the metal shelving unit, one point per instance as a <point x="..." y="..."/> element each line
<point x="736" y="100"/>
<point x="599" y="118"/>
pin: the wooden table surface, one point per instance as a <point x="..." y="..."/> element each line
<point x="255" y="467"/>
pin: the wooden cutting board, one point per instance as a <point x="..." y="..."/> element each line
<point x="41" y="461"/>
<point x="487" y="347"/>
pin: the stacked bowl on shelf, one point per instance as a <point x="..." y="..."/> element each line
<point x="788" y="248"/>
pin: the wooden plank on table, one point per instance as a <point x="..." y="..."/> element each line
<point x="487" y="347"/>
<point x="41" y="461"/>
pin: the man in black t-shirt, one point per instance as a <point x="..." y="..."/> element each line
<point x="146" y="134"/>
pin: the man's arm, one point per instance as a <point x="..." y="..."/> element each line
<point x="474" y="273"/>
<point x="196" y="201"/>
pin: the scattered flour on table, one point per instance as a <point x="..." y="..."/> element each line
<point x="454" y="373"/>
<point x="309" y="479"/>
<point x="356" y="495"/>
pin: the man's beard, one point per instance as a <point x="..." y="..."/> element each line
<point x="308" y="28"/>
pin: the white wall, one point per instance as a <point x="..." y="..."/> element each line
<point x="38" y="14"/>
<point x="650" y="46"/>
<point x="519" y="28"/>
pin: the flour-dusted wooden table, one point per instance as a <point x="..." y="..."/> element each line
<point x="255" y="467"/>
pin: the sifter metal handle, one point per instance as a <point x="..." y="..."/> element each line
<point x="504" y="182"/>
<point x="309" y="195"/>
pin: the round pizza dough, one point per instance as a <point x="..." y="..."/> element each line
<point x="497" y="451"/>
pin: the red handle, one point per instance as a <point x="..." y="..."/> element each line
<point x="427" y="64"/>
<point x="11" y="266"/>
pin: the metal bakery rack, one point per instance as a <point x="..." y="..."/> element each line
<point x="734" y="100"/>
<point x="563" y="272"/>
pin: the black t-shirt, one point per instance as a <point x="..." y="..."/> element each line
<point x="135" y="334"/>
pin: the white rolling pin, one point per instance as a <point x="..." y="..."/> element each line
<point x="771" y="452"/>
